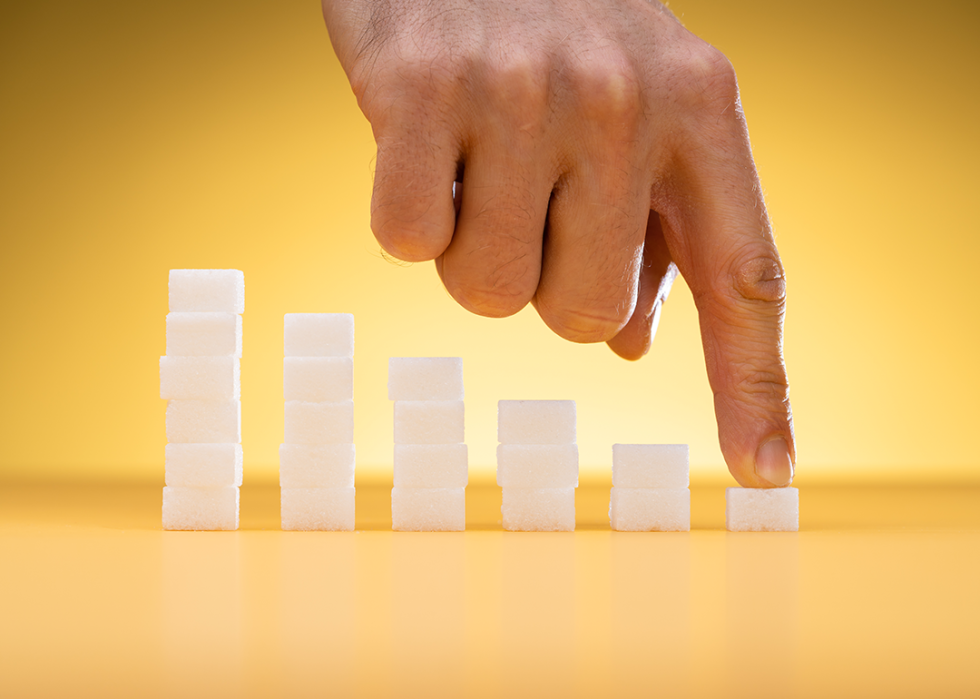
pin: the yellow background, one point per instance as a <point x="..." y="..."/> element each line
<point x="139" y="137"/>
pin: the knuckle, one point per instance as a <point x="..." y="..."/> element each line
<point x="518" y="82"/>
<point x="403" y="225"/>
<point x="491" y="298"/>
<point x="594" y="323"/>
<point x="608" y="88"/>
<point x="759" y="277"/>
<point x="767" y="385"/>
<point x="707" y="80"/>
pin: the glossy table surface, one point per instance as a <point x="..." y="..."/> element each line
<point x="877" y="595"/>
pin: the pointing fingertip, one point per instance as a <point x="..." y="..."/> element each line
<point x="773" y="462"/>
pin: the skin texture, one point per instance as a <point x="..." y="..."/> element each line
<point x="601" y="150"/>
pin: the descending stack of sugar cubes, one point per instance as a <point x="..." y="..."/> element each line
<point x="200" y="379"/>
<point x="316" y="462"/>
<point x="431" y="465"/>
<point x="762" y="509"/>
<point x="537" y="464"/>
<point x="651" y="488"/>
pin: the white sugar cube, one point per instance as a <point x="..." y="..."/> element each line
<point x="537" y="465"/>
<point x="650" y="466"/>
<point x="203" y="465"/>
<point x="428" y="509"/>
<point x="431" y="466"/>
<point x="762" y="509"/>
<point x="425" y="378"/>
<point x="204" y="334"/>
<point x="538" y="509"/>
<point x="429" y="422"/>
<point x="650" y="509"/>
<point x="317" y="509"/>
<point x="316" y="465"/>
<point x="204" y="421"/>
<point x="319" y="335"/>
<point x="536" y="422"/>
<point x="200" y="509"/>
<point x="207" y="291"/>
<point x="200" y="378"/>
<point x="318" y="379"/>
<point x="319" y="423"/>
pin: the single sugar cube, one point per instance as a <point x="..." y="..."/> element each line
<point x="204" y="421"/>
<point x="762" y="509"/>
<point x="318" y="379"/>
<point x="429" y="422"/>
<point x="203" y="465"/>
<point x="200" y="378"/>
<point x="319" y="423"/>
<point x="650" y="466"/>
<point x="538" y="509"/>
<point x="200" y="509"/>
<point x="650" y="509"/>
<point x="317" y="509"/>
<point x="319" y="335"/>
<point x="207" y="291"/>
<point x="537" y="465"/>
<point x="316" y="465"/>
<point x="425" y="378"/>
<point x="204" y="334"/>
<point x="431" y="466"/>
<point x="536" y="422"/>
<point x="428" y="509"/>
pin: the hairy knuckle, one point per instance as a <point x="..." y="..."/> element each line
<point x="608" y="87"/>
<point x="707" y="80"/>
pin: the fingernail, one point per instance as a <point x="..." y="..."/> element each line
<point x="773" y="462"/>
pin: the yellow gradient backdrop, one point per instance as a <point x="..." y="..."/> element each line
<point x="139" y="137"/>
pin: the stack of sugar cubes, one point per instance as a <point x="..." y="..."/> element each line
<point x="200" y="380"/>
<point x="431" y="465"/>
<point x="537" y="464"/>
<point x="651" y="488"/>
<point x="762" y="509"/>
<point x="316" y="462"/>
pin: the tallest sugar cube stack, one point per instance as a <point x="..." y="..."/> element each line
<point x="317" y="458"/>
<point x="537" y="464"/>
<point x="430" y="462"/>
<point x="200" y="380"/>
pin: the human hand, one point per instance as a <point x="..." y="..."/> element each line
<point x="601" y="149"/>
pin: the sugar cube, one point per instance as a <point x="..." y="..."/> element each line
<point x="204" y="334"/>
<point x="429" y="422"/>
<point x="317" y="509"/>
<point x="537" y="465"/>
<point x="650" y="509"/>
<point x="425" y="378"/>
<point x="319" y="335"/>
<point x="538" y="509"/>
<point x="316" y="465"/>
<point x="203" y="465"/>
<point x="428" y="509"/>
<point x="318" y="379"/>
<point x="431" y="466"/>
<point x="204" y="421"/>
<point x="200" y="509"/>
<point x="650" y="466"/>
<point x="200" y="378"/>
<point x="319" y="423"/>
<point x="762" y="509"/>
<point x="207" y="290"/>
<point x="536" y="422"/>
